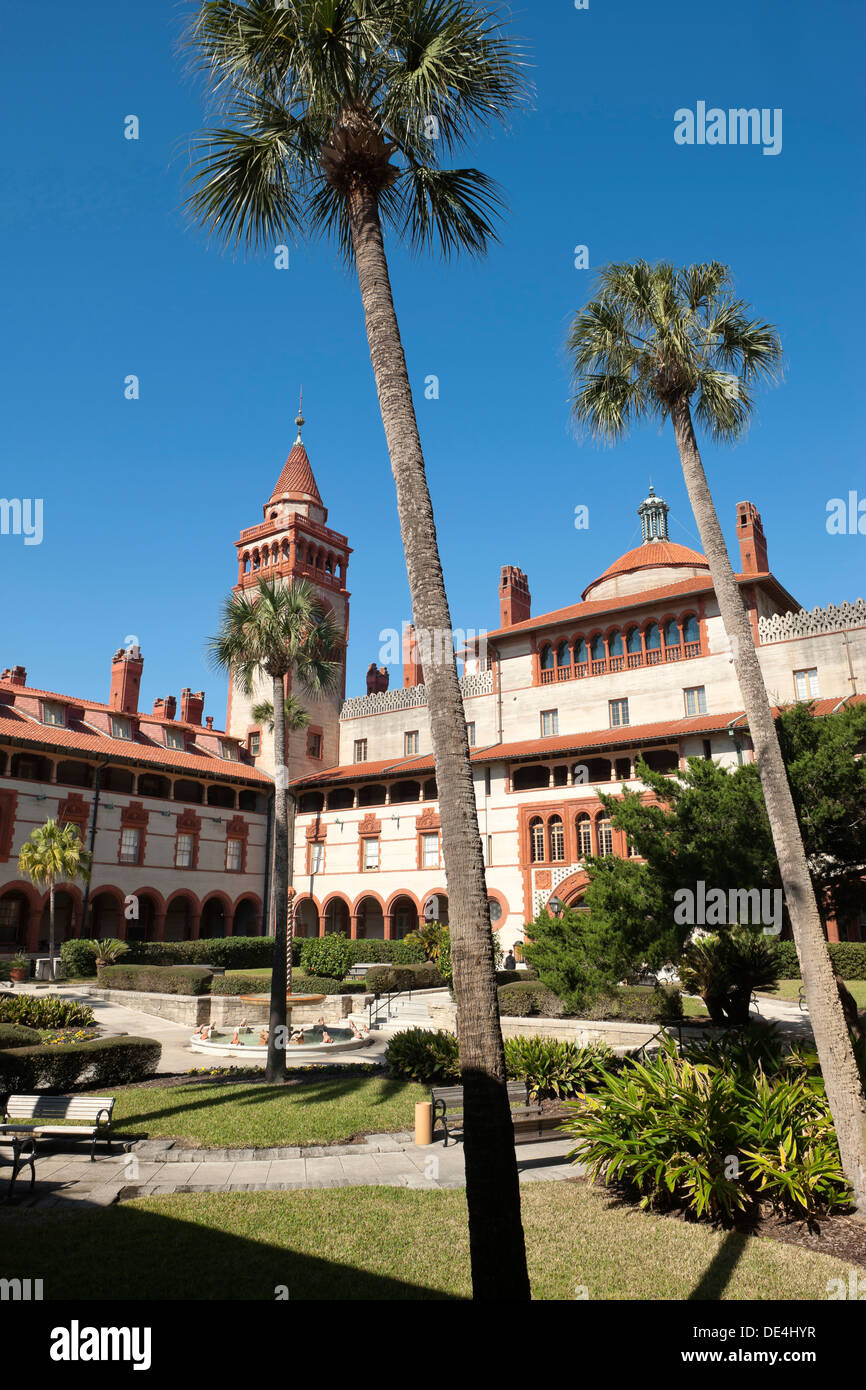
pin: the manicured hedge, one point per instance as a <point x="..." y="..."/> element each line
<point x="632" y="1004"/>
<point x="232" y="952"/>
<point x="393" y="979"/>
<point x="387" y="952"/>
<point x="849" y="957"/>
<point x="44" y="1011"/>
<point x="161" y="979"/>
<point x="16" y="1035"/>
<point x="514" y="977"/>
<point x="62" y="1068"/>
<point x="528" y="999"/>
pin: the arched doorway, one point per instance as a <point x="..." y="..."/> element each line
<point x="337" y="917"/>
<point x="14" y="916"/>
<point x="106" y="917"/>
<point x="215" y="918"/>
<point x="179" y="918"/>
<point x="370" y="920"/>
<point x="64" y="920"/>
<point x="404" y="917"/>
<point x="246" y="919"/>
<point x="435" y="908"/>
<point x="306" y="918"/>
<point x="143" y="927"/>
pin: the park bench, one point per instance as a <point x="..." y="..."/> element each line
<point x="92" y="1112"/>
<point x="19" y="1152"/>
<point x="531" y="1122"/>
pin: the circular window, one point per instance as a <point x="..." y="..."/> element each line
<point x="495" y="909"/>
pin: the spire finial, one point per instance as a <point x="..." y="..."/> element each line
<point x="299" y="418"/>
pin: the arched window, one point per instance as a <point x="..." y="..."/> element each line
<point x="614" y="643"/>
<point x="584" y="835"/>
<point x="652" y="637"/>
<point x="536" y="840"/>
<point x="581" y="656"/>
<point x="547" y="658"/>
<point x="597" y="648"/>
<point x="605" y="835"/>
<point x="632" y="641"/>
<point x="691" y="629"/>
<point x="672" y="633"/>
<point x="563" y="654"/>
<point x="557" y="839"/>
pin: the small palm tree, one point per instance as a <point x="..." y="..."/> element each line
<point x="661" y="342"/>
<point x="297" y="718"/>
<point x="317" y="98"/>
<point x="53" y="854"/>
<point x="270" y="632"/>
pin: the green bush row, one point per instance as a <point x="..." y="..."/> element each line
<point x="99" y="1062"/>
<point x="516" y="977"/>
<point x="634" y="1004"/>
<point x="161" y="979"/>
<point x="235" y="953"/>
<point x="44" y="1011"/>
<point x="16" y="1035"/>
<point x="302" y="983"/>
<point x="393" y="979"/>
<point x="849" y="957"/>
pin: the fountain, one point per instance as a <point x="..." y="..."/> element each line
<point x="250" y="1044"/>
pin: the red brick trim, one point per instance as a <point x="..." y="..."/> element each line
<point x="133" y="817"/>
<point x="237" y="829"/>
<point x="428" y="820"/>
<point x="189" y="823"/>
<point x="370" y="825"/>
<point x="8" y="812"/>
<point x="74" y="811"/>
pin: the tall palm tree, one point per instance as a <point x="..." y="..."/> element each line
<point x="316" y="97"/>
<point x="657" y="341"/>
<point x="54" y="854"/>
<point x="297" y="718"/>
<point x="271" y="632"/>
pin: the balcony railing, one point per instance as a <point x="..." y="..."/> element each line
<point x="630" y="662"/>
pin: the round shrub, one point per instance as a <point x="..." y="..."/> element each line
<point x="636" y="1004"/>
<point x="16" y="1035"/>
<point x="515" y="977"/>
<point x="62" y="1067"/>
<point x="44" y="1011"/>
<point x="431" y="1058"/>
<point x="78" y="957"/>
<point x="160" y="979"/>
<point x="329" y="955"/>
<point x="529" y="1000"/>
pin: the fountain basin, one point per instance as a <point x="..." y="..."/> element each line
<point x="249" y="1047"/>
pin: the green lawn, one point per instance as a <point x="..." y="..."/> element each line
<point x="790" y="989"/>
<point x="390" y="1243"/>
<point x="694" y="1008"/>
<point x="251" y="1115"/>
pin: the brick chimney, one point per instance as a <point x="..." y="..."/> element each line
<point x="515" y="600"/>
<point x="16" y="676"/>
<point x="126" y="668"/>
<point x="209" y="721"/>
<point x="753" y="542"/>
<point x="191" y="706"/>
<point x="165" y="709"/>
<point x="412" y="672"/>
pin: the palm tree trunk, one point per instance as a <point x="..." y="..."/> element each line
<point x="835" y="1052"/>
<point x="51" y="929"/>
<point x="496" y="1241"/>
<point x="275" y="1069"/>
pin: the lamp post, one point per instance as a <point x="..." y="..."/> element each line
<point x="556" y="907"/>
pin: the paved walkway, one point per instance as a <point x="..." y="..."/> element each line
<point x="154" y="1167"/>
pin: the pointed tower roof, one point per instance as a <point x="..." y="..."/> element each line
<point x="296" y="481"/>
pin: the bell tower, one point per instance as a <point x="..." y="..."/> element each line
<point x="294" y="542"/>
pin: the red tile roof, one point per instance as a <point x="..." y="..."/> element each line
<point x="296" y="477"/>
<point x="651" y="556"/>
<point x="667" y="730"/>
<point x="579" y="613"/>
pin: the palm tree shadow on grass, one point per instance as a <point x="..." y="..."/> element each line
<point x="254" y="1094"/>
<point x="720" y="1270"/>
<point x="119" y="1253"/>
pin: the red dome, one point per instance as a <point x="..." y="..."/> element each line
<point x="652" y="555"/>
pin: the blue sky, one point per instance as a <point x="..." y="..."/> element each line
<point x="105" y="277"/>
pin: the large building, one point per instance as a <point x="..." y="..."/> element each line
<point x="559" y="706"/>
